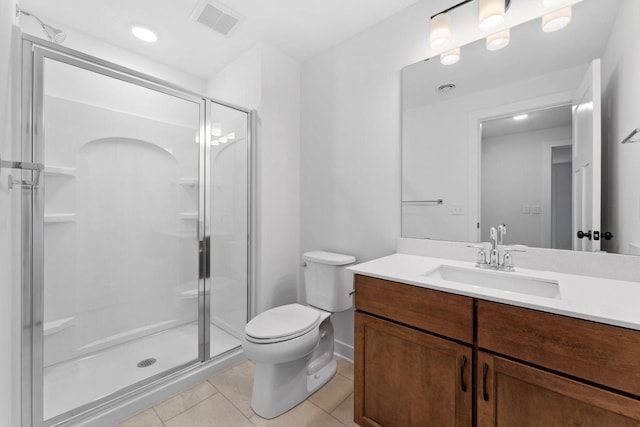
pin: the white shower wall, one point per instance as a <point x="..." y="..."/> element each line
<point x="116" y="269"/>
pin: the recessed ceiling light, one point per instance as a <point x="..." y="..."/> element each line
<point x="520" y="117"/>
<point x="144" y="34"/>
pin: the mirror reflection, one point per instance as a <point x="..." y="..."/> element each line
<point x="557" y="173"/>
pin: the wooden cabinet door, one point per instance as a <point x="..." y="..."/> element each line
<point x="408" y="378"/>
<point x="511" y="394"/>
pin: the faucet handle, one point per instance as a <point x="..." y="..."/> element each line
<point x="507" y="260"/>
<point x="481" y="260"/>
<point x="502" y="231"/>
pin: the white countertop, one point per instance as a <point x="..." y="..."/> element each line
<point x="614" y="302"/>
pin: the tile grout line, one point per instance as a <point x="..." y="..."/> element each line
<point x="231" y="401"/>
<point x="186" y="409"/>
<point x="329" y="413"/>
<point x="158" y="415"/>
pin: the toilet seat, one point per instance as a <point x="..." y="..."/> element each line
<point x="282" y="323"/>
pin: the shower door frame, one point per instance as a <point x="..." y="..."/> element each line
<point x="34" y="52"/>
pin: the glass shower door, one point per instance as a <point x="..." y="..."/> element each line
<point x="229" y="226"/>
<point x="120" y="207"/>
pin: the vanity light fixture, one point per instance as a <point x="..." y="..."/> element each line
<point x="520" y="117"/>
<point x="216" y="129"/>
<point x="440" y="35"/>
<point x="450" y="57"/>
<point x="223" y="139"/>
<point x="490" y="13"/>
<point x="144" y="34"/>
<point x="231" y="136"/>
<point x="498" y="40"/>
<point x="556" y="20"/>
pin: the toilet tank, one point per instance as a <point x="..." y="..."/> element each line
<point x="326" y="280"/>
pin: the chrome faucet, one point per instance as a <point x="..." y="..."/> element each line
<point x="494" y="255"/>
<point x="496" y="238"/>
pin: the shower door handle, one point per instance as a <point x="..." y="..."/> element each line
<point x="204" y="255"/>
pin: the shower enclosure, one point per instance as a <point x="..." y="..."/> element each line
<point x="135" y="235"/>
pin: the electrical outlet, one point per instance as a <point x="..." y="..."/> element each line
<point x="535" y="209"/>
<point x="526" y="209"/>
<point x="457" y="210"/>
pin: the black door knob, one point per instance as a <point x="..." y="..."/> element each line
<point x="582" y="234"/>
<point x="607" y="236"/>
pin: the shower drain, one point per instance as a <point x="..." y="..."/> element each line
<point x="146" y="362"/>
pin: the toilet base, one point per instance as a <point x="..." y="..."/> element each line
<point x="276" y="397"/>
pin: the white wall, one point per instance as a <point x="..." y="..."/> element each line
<point x="350" y="158"/>
<point x="267" y="80"/>
<point x="621" y="114"/>
<point x="9" y="226"/>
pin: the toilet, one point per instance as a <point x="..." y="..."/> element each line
<point x="292" y="345"/>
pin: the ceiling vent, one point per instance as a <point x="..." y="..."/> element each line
<point x="216" y="16"/>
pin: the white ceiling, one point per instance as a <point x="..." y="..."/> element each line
<point x="300" y="28"/>
<point x="537" y="120"/>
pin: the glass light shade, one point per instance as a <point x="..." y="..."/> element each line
<point x="440" y="35"/>
<point x="520" y="117"/>
<point x="490" y="13"/>
<point x="450" y="57"/>
<point x="498" y="40"/>
<point x="144" y="34"/>
<point x="557" y="20"/>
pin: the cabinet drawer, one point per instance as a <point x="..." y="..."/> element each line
<point x="603" y="354"/>
<point x="438" y="312"/>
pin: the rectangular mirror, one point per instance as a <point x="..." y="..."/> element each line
<point x="529" y="136"/>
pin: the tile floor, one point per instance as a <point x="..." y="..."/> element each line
<point x="224" y="401"/>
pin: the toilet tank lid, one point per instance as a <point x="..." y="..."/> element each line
<point x="330" y="258"/>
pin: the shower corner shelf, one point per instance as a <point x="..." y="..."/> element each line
<point x="59" y="218"/>
<point x="191" y="293"/>
<point x="189" y="215"/>
<point x="188" y="182"/>
<point x="59" y="171"/>
<point x="55" y="326"/>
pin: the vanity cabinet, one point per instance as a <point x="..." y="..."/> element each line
<point x="514" y="394"/>
<point x="405" y="376"/>
<point x="416" y="350"/>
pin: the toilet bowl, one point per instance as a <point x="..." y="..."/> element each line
<point x="284" y="375"/>
<point x="292" y="345"/>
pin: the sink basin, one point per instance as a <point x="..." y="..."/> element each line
<point x="500" y="280"/>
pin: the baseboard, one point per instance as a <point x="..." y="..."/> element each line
<point x="343" y="350"/>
